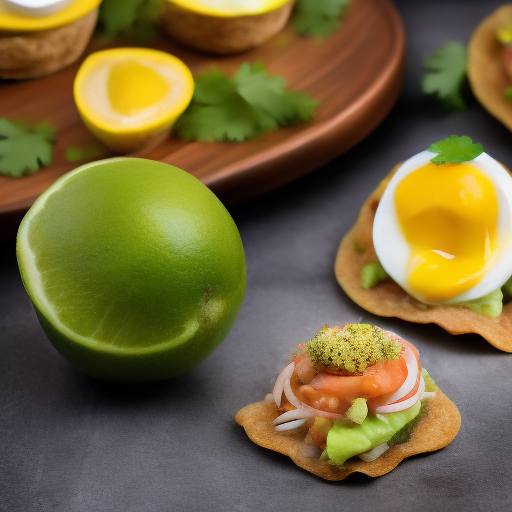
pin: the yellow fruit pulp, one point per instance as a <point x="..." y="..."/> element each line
<point x="127" y="95"/>
<point x="229" y="7"/>
<point x="449" y="216"/>
<point x="12" y="21"/>
<point x="133" y="86"/>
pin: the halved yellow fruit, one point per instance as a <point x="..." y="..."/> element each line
<point x="225" y="26"/>
<point x="14" y="21"/>
<point x="129" y="96"/>
<point x="31" y="46"/>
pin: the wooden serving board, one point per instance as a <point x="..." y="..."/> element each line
<point x="356" y="74"/>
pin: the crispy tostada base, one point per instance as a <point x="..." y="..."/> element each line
<point x="388" y="299"/>
<point x="437" y="426"/>
<point x="487" y="76"/>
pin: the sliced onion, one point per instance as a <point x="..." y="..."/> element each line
<point x="277" y="392"/>
<point x="404" y="404"/>
<point x="428" y="394"/>
<point x="383" y="418"/>
<point x="412" y="376"/>
<point x="294" y="414"/>
<point x="374" y="453"/>
<point x="290" y="425"/>
<point x="300" y="405"/>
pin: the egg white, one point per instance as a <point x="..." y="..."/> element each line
<point x="394" y="252"/>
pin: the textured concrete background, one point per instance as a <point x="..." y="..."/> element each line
<point x="70" y="443"/>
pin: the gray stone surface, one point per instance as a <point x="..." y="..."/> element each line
<point x="70" y="443"/>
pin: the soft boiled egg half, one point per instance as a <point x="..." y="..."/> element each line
<point x="128" y="96"/>
<point x="443" y="232"/>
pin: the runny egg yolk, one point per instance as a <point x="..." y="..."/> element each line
<point x="133" y="87"/>
<point x="448" y="214"/>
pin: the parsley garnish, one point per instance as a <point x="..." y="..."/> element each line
<point x="134" y="19"/>
<point x="318" y="18"/>
<point x="455" y="149"/>
<point x="24" y="150"/>
<point x="91" y="151"/>
<point x="448" y="75"/>
<point x="241" y="107"/>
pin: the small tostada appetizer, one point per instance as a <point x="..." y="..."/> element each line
<point x="434" y="243"/>
<point x="489" y="66"/>
<point x="354" y="399"/>
<point x="39" y="37"/>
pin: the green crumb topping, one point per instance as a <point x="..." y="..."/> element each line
<point x="372" y="274"/>
<point x="358" y="411"/>
<point x="489" y="305"/>
<point x="352" y="348"/>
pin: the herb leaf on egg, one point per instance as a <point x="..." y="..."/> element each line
<point x="447" y="75"/>
<point x="25" y="150"/>
<point x="318" y="18"/>
<point x="455" y="149"/>
<point x="241" y="107"/>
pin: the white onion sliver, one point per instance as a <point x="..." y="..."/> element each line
<point x="277" y="392"/>
<point x="294" y="414"/>
<point x="290" y="425"/>
<point x="428" y="394"/>
<point x="405" y="404"/>
<point x="373" y="454"/>
<point x="297" y="403"/>
<point x="383" y="418"/>
<point x="412" y="375"/>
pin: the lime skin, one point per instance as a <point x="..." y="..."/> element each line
<point x="136" y="270"/>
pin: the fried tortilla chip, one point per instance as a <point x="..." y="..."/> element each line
<point x="438" y="424"/>
<point x="388" y="299"/>
<point x="487" y="76"/>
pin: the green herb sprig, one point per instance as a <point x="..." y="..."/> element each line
<point x="136" y="20"/>
<point x="455" y="149"/>
<point x="447" y="77"/>
<point x="24" y="150"/>
<point x="241" y="107"/>
<point x="318" y="18"/>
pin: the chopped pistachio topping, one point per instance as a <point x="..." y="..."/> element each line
<point x="358" y="411"/>
<point x="352" y="348"/>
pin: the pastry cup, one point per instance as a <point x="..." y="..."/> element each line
<point x="35" y="47"/>
<point x="212" y="31"/>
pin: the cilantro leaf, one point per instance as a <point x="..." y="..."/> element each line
<point x="23" y="151"/>
<point x="455" y="149"/>
<point x="447" y="76"/>
<point x="241" y="107"/>
<point x="92" y="151"/>
<point x="134" y="19"/>
<point x="318" y="18"/>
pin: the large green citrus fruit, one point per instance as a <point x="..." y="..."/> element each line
<point x="135" y="268"/>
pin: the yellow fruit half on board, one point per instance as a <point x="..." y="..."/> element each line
<point x="130" y="97"/>
<point x="35" y="46"/>
<point x="225" y="26"/>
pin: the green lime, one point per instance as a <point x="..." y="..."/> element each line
<point x="135" y="268"/>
